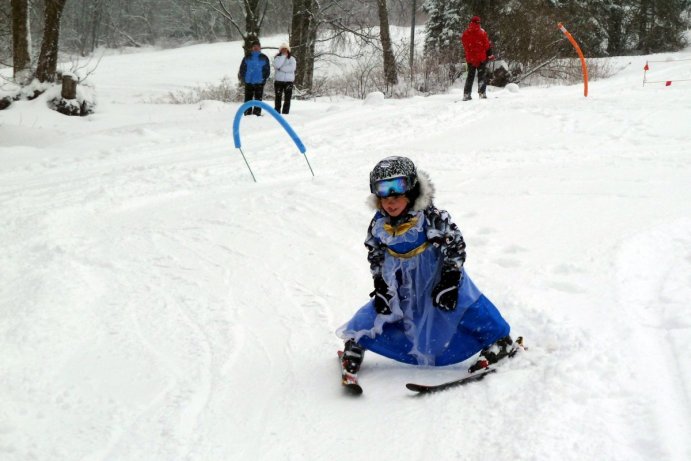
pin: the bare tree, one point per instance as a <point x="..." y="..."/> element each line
<point x="390" y="74"/>
<point x="21" y="40"/>
<point x="83" y="25"/>
<point x="96" y="16"/>
<point x="339" y="24"/>
<point x="254" y="12"/>
<point x="48" y="59"/>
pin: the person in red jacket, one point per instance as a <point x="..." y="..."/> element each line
<point x="478" y="50"/>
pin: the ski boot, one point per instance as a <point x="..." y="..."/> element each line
<point x="352" y="357"/>
<point x="466" y="97"/>
<point x="483" y="95"/>
<point x="505" y="347"/>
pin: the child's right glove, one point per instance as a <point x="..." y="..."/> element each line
<point x="445" y="294"/>
<point x="381" y="296"/>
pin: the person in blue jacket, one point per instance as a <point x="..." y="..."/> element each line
<point x="425" y="309"/>
<point x="254" y="71"/>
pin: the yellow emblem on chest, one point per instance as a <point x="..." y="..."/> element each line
<point x="401" y="228"/>
<point x="411" y="253"/>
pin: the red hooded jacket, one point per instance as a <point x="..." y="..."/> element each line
<point x="476" y="44"/>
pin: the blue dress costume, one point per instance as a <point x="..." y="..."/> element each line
<point x="417" y="332"/>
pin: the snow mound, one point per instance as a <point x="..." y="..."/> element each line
<point x="513" y="88"/>
<point x="375" y="98"/>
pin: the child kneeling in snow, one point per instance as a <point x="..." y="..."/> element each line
<point x="424" y="310"/>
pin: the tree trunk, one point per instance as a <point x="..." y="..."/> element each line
<point x="67" y="103"/>
<point x="48" y="59"/>
<point x="303" y="37"/>
<point x="308" y="60"/>
<point x="69" y="87"/>
<point x="21" y="40"/>
<point x="252" y="23"/>
<point x="412" y="42"/>
<point x="390" y="74"/>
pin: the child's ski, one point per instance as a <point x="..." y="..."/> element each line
<point x="425" y="389"/>
<point x="349" y="380"/>
<point x="475" y="376"/>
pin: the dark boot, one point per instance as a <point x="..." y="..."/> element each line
<point x="501" y="349"/>
<point x="352" y="356"/>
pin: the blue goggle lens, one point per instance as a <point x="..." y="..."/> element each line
<point x="389" y="187"/>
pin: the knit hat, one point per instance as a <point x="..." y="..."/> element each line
<point x="475" y="19"/>
<point x="284" y="45"/>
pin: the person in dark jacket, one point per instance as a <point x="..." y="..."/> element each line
<point x="478" y="50"/>
<point x="254" y="71"/>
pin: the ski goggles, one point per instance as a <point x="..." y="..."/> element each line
<point x="390" y="187"/>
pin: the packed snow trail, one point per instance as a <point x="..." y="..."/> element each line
<point x="156" y="304"/>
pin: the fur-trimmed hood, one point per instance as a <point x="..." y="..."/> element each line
<point x="424" y="200"/>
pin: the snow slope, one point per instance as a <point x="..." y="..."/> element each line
<point x="156" y="304"/>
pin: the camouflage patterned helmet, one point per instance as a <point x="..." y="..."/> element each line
<point x="393" y="167"/>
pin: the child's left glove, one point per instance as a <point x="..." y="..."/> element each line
<point x="445" y="294"/>
<point x="381" y="296"/>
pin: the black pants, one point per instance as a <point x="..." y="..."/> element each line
<point x="481" y="79"/>
<point x="280" y="89"/>
<point x="254" y="91"/>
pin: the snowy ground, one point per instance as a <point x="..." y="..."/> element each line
<point x="156" y="304"/>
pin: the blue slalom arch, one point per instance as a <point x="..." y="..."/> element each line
<point x="282" y="121"/>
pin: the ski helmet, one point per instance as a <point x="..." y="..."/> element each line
<point x="394" y="167"/>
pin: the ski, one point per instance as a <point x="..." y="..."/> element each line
<point x="348" y="380"/>
<point x="471" y="377"/>
<point x="426" y="389"/>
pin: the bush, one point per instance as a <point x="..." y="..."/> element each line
<point x="224" y="91"/>
<point x="567" y="71"/>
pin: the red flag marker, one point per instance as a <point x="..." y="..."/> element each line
<point x="669" y="83"/>
<point x="646" y="67"/>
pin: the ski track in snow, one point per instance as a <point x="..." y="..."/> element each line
<point x="157" y="304"/>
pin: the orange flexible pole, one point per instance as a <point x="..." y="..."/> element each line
<point x="584" y="67"/>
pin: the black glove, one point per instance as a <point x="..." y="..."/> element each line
<point x="445" y="294"/>
<point x="381" y="296"/>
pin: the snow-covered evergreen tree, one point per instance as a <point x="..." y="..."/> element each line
<point x="612" y="27"/>
<point x="658" y="25"/>
<point x="444" y="26"/>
